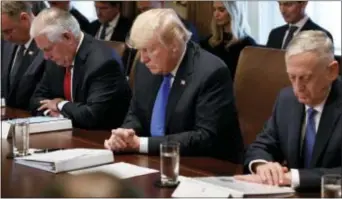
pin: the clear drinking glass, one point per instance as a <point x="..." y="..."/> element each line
<point x="169" y="163"/>
<point x="20" y="137"/>
<point x="331" y="186"/>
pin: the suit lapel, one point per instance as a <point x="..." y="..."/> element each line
<point x="7" y="61"/>
<point x="295" y="131"/>
<point x="331" y="112"/>
<point x="180" y="82"/>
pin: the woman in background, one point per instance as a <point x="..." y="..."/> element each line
<point x="229" y="33"/>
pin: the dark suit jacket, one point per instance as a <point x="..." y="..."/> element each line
<point x="82" y="20"/>
<point x="276" y="37"/>
<point x="27" y="77"/>
<point x="201" y="113"/>
<point x="100" y="91"/>
<point x="280" y="139"/>
<point x="231" y="54"/>
<point x="121" y="30"/>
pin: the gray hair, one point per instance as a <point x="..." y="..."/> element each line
<point x="311" y="41"/>
<point x="161" y="20"/>
<point x="54" y="22"/>
<point x="13" y="9"/>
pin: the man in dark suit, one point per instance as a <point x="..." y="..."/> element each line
<point x="301" y="141"/>
<point x="177" y="96"/>
<point x="293" y="13"/>
<point x="22" y="63"/>
<point x="65" y="5"/>
<point x="85" y="83"/>
<point x="111" y="24"/>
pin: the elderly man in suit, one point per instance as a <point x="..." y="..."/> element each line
<point x="22" y="63"/>
<point x="301" y="141"/>
<point x="83" y="81"/>
<point x="177" y="96"/>
<point x="294" y="15"/>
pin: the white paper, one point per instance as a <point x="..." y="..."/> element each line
<point x="190" y="187"/>
<point x="5" y="129"/>
<point x="2" y="102"/>
<point x="38" y="119"/>
<point x="121" y="170"/>
<point x="246" y="188"/>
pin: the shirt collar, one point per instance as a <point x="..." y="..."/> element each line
<point x="301" y="22"/>
<point x="78" y="47"/>
<point x="319" y="107"/>
<point x="114" y="21"/>
<point x="28" y="43"/>
<point x="174" y="71"/>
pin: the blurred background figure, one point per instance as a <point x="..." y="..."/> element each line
<point x="229" y="33"/>
<point x="65" y="5"/>
<point x="37" y="6"/>
<point x="82" y="186"/>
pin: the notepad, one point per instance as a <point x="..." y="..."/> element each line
<point x="67" y="160"/>
<point x="122" y="170"/>
<point x="37" y="124"/>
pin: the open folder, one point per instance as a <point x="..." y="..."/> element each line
<point x="67" y="159"/>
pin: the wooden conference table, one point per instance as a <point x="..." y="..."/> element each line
<point x="21" y="181"/>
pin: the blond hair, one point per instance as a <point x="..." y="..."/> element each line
<point x="315" y="41"/>
<point x="13" y="9"/>
<point x="238" y="25"/>
<point x="162" y="24"/>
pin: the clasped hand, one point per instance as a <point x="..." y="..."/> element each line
<point x="123" y="140"/>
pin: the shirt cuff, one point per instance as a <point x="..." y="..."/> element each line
<point x="295" y="178"/>
<point x="143" y="148"/>
<point x="61" y="104"/>
<point x="46" y="112"/>
<point x="253" y="162"/>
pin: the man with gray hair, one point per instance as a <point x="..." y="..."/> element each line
<point x="83" y="81"/>
<point x="22" y="63"/>
<point x="301" y="141"/>
<point x="182" y="93"/>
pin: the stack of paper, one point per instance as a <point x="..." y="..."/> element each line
<point x="38" y="124"/>
<point x="67" y="160"/>
<point x="121" y="170"/>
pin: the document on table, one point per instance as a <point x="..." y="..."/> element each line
<point x="121" y="170"/>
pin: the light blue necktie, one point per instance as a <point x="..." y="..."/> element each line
<point x="310" y="136"/>
<point x="159" y="108"/>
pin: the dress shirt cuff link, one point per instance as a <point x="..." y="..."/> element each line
<point x="295" y="178"/>
<point x="61" y="104"/>
<point x="46" y="112"/>
<point x="143" y="148"/>
<point x="253" y="162"/>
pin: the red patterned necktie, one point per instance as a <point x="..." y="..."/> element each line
<point x="67" y="84"/>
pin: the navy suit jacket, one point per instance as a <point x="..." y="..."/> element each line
<point x="276" y="37"/>
<point x="201" y="112"/>
<point x="27" y="77"/>
<point x="100" y="91"/>
<point x="280" y="139"/>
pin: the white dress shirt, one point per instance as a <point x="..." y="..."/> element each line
<point x="144" y="140"/>
<point x="299" y="26"/>
<point x="110" y="29"/>
<point x="294" y="172"/>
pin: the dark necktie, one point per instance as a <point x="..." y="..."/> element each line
<point x="17" y="63"/>
<point x="289" y="37"/>
<point x="103" y="31"/>
<point x="310" y="136"/>
<point x="67" y="84"/>
<point x="159" y="108"/>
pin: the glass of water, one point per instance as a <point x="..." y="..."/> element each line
<point x="169" y="163"/>
<point x="331" y="186"/>
<point x="20" y="138"/>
